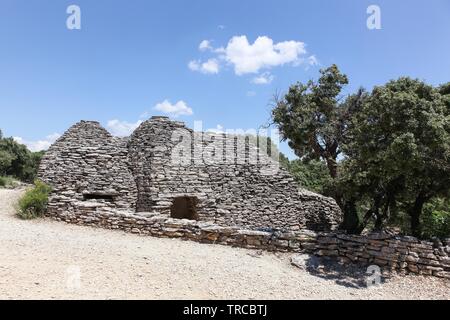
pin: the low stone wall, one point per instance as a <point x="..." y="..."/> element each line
<point x="394" y="253"/>
<point x="390" y="252"/>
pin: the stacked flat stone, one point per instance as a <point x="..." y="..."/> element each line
<point x="130" y="184"/>
<point x="234" y="182"/>
<point x="391" y="253"/>
<point x="87" y="161"/>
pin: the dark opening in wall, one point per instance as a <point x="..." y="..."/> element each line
<point x="93" y="196"/>
<point x="184" y="208"/>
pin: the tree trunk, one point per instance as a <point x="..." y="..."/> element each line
<point x="369" y="214"/>
<point x="379" y="217"/>
<point x="351" y="222"/>
<point x="414" y="212"/>
<point x="332" y="167"/>
<point x="380" y="220"/>
<point x="378" y="223"/>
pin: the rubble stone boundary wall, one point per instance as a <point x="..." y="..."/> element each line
<point x="392" y="253"/>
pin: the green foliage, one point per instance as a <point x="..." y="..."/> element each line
<point x="31" y="169"/>
<point x="436" y="218"/>
<point x="312" y="175"/>
<point x="3" y="181"/>
<point x="284" y="161"/>
<point x="16" y="160"/>
<point x="34" y="202"/>
<point x="388" y="152"/>
<point x="8" y="182"/>
<point x="398" y="150"/>
<point x="312" y="118"/>
<point x="6" y="160"/>
<point x="315" y="120"/>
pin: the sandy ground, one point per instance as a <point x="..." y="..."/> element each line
<point x="44" y="259"/>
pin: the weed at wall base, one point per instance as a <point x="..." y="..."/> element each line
<point x="34" y="202"/>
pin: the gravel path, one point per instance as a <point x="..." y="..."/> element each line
<point x="44" y="259"/>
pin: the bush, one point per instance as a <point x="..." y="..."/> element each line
<point x="34" y="202"/>
<point x="6" y="160"/>
<point x="436" y="219"/>
<point x="312" y="175"/>
<point x="8" y="182"/>
<point x="17" y="161"/>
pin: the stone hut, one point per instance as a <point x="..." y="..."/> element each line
<point x="88" y="163"/>
<point x="167" y="168"/>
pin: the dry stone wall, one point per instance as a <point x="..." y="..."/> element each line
<point x="85" y="163"/>
<point x="391" y="253"/>
<point x="235" y="183"/>
<point x="232" y="181"/>
<point x="130" y="184"/>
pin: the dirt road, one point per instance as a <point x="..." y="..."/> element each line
<point x="45" y="259"/>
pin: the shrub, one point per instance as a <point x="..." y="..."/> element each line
<point x="312" y="175"/>
<point x="17" y="161"/>
<point x="436" y="219"/>
<point x="2" y="181"/>
<point x="8" y="182"/>
<point x="34" y="202"/>
<point x="6" y="160"/>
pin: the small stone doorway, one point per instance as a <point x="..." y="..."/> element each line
<point x="184" y="208"/>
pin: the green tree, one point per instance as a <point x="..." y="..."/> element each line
<point x="315" y="119"/>
<point x="436" y="218"/>
<point x="312" y="175"/>
<point x="21" y="157"/>
<point x="16" y="160"/>
<point x="398" y="150"/>
<point x="6" y="160"/>
<point x="311" y="118"/>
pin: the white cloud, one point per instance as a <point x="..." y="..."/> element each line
<point x="252" y="58"/>
<point x="205" y="45"/>
<point x="221" y="27"/>
<point x="312" y="60"/>
<point x="194" y="65"/>
<point x="144" y="115"/>
<point x="217" y="129"/>
<point x="209" y="67"/>
<point x="38" y="145"/>
<point x="251" y="93"/>
<point x="178" y="109"/>
<point x="264" y="78"/>
<point x="53" y="137"/>
<point x="262" y="54"/>
<point x="122" y="128"/>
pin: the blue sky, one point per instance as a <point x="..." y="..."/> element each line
<point x="132" y="56"/>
